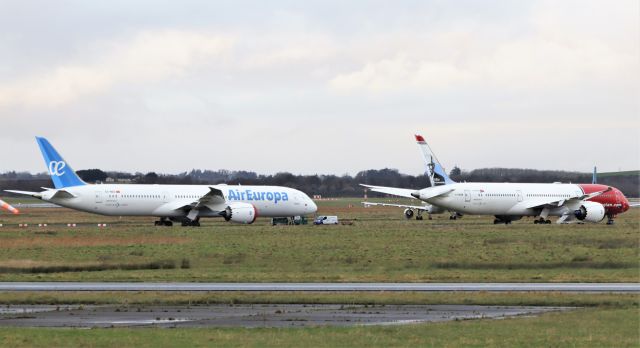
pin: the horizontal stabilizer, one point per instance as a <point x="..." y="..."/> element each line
<point x="391" y="190"/>
<point x="27" y="193"/>
<point x="416" y="207"/>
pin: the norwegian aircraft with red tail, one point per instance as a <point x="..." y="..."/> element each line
<point x="511" y="201"/>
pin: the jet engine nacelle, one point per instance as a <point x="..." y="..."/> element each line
<point x="590" y="212"/>
<point x="242" y="213"/>
<point x="408" y="213"/>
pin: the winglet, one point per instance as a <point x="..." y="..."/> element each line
<point x="6" y="206"/>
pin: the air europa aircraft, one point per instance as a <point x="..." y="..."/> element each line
<point x="511" y="201"/>
<point x="170" y="203"/>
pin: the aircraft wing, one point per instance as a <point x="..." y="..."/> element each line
<point x="416" y="207"/>
<point x="213" y="197"/>
<point x="391" y="190"/>
<point x="555" y="202"/>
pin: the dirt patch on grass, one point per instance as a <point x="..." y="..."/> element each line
<point x="82" y="241"/>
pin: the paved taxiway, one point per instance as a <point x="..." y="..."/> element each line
<point x="263" y="315"/>
<point x="471" y="287"/>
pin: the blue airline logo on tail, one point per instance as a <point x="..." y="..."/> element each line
<point x="61" y="173"/>
<point x="56" y="168"/>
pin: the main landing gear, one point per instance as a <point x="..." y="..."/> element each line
<point x="183" y="222"/>
<point x="541" y="221"/>
<point x="505" y="219"/>
<point x="455" y="216"/>
<point x="163" y="222"/>
<point x="192" y="223"/>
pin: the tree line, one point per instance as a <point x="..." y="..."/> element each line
<point x="325" y="185"/>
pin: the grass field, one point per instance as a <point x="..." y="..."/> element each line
<point x="379" y="246"/>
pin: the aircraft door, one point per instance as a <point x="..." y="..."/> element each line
<point x="98" y="197"/>
<point x="296" y="199"/>
<point x="165" y="197"/>
<point x="98" y="200"/>
<point x="467" y="196"/>
<point x="519" y="195"/>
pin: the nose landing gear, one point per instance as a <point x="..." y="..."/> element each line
<point x="610" y="219"/>
<point x="541" y="221"/>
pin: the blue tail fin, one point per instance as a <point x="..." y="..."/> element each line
<point x="61" y="173"/>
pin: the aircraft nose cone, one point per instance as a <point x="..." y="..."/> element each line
<point x="625" y="205"/>
<point x="312" y="207"/>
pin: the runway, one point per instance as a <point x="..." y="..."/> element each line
<point x="322" y="287"/>
<point x="253" y="315"/>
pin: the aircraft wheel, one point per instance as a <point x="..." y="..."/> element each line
<point x="157" y="223"/>
<point x="168" y="223"/>
<point x="507" y="222"/>
<point x="547" y="222"/>
<point x="535" y="222"/>
<point x="610" y="222"/>
<point x="418" y="217"/>
<point x="495" y="222"/>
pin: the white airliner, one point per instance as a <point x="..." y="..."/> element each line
<point x="437" y="176"/>
<point x="512" y="201"/>
<point x="180" y="203"/>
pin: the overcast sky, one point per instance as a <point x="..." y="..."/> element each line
<point x="327" y="87"/>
